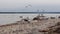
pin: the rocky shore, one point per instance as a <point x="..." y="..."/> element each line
<point x="38" y="25"/>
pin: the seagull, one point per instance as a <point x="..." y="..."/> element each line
<point x="28" y="6"/>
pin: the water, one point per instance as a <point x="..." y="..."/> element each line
<point x="29" y="12"/>
<point x="12" y="18"/>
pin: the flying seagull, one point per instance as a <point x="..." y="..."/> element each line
<point x="28" y="6"/>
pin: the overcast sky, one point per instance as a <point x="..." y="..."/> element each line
<point x="20" y="5"/>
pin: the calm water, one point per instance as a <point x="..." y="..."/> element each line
<point x="29" y="12"/>
<point x="11" y="18"/>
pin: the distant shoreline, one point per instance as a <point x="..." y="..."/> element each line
<point x="29" y="12"/>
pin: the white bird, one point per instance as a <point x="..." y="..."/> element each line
<point x="28" y="6"/>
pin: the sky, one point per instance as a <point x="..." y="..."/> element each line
<point x="32" y="5"/>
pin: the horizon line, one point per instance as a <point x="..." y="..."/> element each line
<point x="29" y="12"/>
